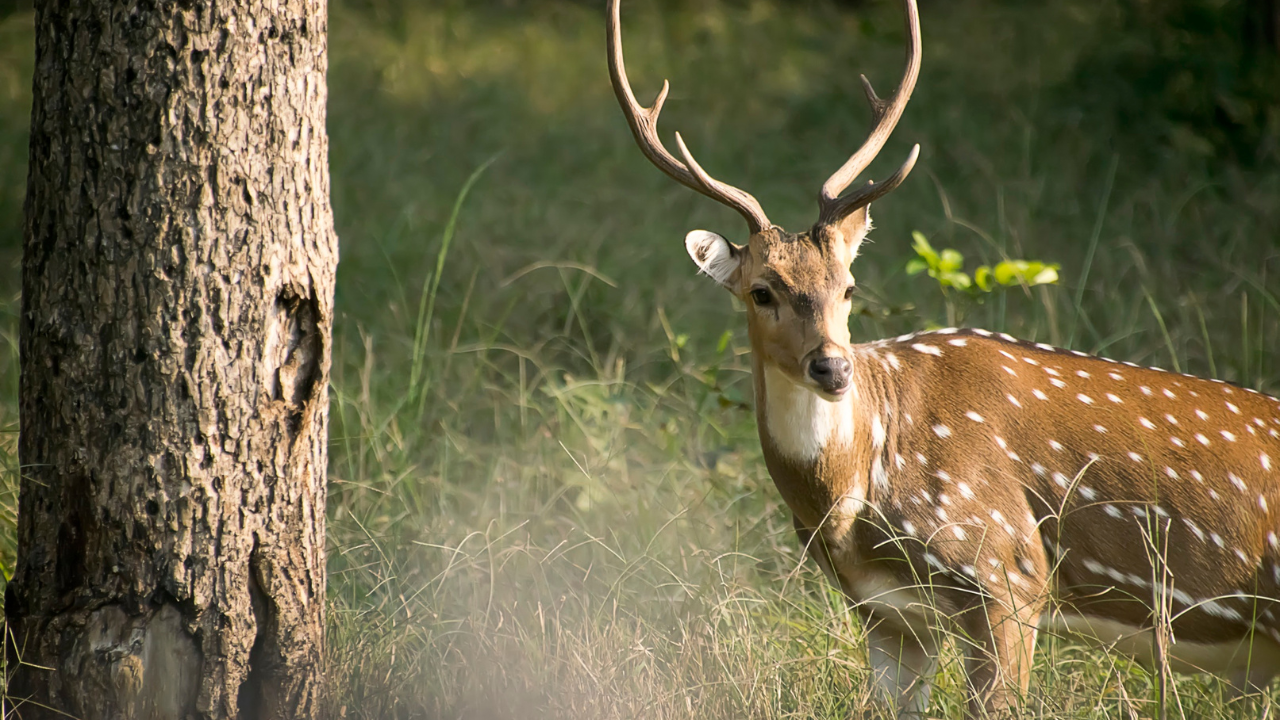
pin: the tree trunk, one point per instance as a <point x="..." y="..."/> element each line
<point x="177" y="311"/>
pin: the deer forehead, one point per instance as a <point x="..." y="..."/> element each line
<point x="799" y="265"/>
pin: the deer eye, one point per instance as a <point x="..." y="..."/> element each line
<point x="848" y="293"/>
<point x="761" y="297"/>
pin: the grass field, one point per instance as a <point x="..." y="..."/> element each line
<point x="546" y="493"/>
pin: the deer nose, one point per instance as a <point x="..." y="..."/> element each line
<point x="831" y="373"/>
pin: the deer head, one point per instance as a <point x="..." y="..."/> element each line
<point x="797" y="286"/>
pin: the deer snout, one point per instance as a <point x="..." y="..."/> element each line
<point x="831" y="373"/>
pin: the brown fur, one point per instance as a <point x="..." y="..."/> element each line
<point x="1043" y="507"/>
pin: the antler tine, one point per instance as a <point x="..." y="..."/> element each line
<point x="884" y="117"/>
<point x="644" y="126"/>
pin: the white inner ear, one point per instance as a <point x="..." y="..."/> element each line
<point x="712" y="254"/>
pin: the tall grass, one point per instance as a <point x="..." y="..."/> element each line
<point x="546" y="496"/>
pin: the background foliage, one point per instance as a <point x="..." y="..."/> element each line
<point x="547" y="498"/>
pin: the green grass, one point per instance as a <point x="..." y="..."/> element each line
<point x="547" y="498"/>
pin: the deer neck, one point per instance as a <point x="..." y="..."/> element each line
<point x="801" y="425"/>
<point x="818" y="452"/>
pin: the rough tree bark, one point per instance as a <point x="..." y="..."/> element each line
<point x="177" y="295"/>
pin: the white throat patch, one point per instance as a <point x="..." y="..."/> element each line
<point x="800" y="423"/>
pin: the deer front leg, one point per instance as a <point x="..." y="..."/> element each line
<point x="999" y="644"/>
<point x="902" y="667"/>
<point x="815" y="546"/>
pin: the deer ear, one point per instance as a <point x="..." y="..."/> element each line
<point x="853" y="229"/>
<point x="714" y="256"/>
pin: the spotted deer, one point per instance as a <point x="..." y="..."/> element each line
<point x="968" y="483"/>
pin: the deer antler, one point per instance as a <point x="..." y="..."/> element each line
<point x="644" y="126"/>
<point x="884" y="117"/>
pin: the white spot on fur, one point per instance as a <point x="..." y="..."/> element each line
<point x="1040" y="394"/>
<point x="926" y="349"/>
<point x="879" y="478"/>
<point x="973" y="416"/>
<point x="1194" y="528"/>
<point x="942" y="431"/>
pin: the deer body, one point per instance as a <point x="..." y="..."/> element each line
<point x="935" y="507"/>
<point x="968" y="483"/>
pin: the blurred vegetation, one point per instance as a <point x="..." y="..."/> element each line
<point x="547" y="498"/>
<point x="1202" y="77"/>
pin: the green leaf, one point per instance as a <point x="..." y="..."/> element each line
<point x="915" y="266"/>
<point x="951" y="260"/>
<point x="958" y="280"/>
<point x="923" y="248"/>
<point x="1047" y="276"/>
<point x="982" y="277"/>
<point x="724" y="341"/>
<point x="1008" y="272"/>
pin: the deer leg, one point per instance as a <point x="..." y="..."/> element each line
<point x="999" y="645"/>
<point x="1245" y="689"/>
<point x="902" y="667"/>
<point x="816" y="548"/>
